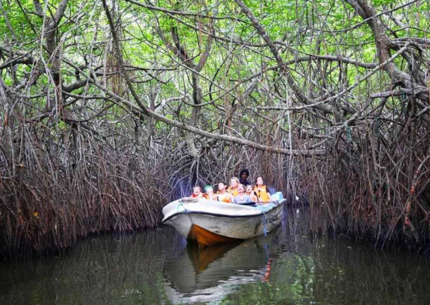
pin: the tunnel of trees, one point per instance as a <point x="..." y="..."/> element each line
<point x="110" y="109"/>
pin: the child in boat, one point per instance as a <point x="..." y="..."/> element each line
<point x="242" y="197"/>
<point x="234" y="183"/>
<point x="197" y="192"/>
<point x="223" y="195"/>
<point x="261" y="190"/>
<point x="250" y="192"/>
<point x="209" y="193"/>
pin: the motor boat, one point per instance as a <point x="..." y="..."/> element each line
<point x="210" y="222"/>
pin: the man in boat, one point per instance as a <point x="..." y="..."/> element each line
<point x="243" y="177"/>
<point x="234" y="183"/>
<point x="242" y="197"/>
<point x="223" y="195"/>
<point x="261" y="190"/>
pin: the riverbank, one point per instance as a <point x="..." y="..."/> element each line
<point x="48" y="207"/>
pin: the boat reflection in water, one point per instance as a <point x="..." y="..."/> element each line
<point x="208" y="274"/>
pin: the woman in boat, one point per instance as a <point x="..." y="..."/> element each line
<point x="197" y="192"/>
<point x="209" y="193"/>
<point x="261" y="190"/>
<point x="234" y="183"/>
<point x="243" y="177"/>
<point x="242" y="197"/>
<point x="250" y="192"/>
<point x="223" y="195"/>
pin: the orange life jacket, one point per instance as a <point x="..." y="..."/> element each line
<point x="262" y="193"/>
<point x="226" y="197"/>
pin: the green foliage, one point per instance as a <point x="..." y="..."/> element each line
<point x="298" y="28"/>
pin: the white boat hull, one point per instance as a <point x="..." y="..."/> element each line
<point x="227" y="220"/>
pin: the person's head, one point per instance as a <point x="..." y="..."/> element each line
<point x="259" y="181"/>
<point x="197" y="190"/>
<point x="221" y="186"/>
<point x="249" y="188"/>
<point x="241" y="189"/>
<point x="209" y="189"/>
<point x="244" y="174"/>
<point x="234" y="182"/>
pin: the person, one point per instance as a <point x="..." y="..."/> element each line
<point x="243" y="177"/>
<point x="261" y="191"/>
<point x="209" y="193"/>
<point x="223" y="195"/>
<point x="234" y="183"/>
<point x="250" y="192"/>
<point x="197" y="192"/>
<point x="242" y="197"/>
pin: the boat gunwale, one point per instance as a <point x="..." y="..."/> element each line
<point x="186" y="212"/>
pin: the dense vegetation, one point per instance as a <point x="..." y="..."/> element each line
<point x="111" y="108"/>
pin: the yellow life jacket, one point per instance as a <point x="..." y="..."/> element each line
<point x="233" y="192"/>
<point x="262" y="194"/>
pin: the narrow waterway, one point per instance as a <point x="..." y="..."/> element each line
<point x="158" y="267"/>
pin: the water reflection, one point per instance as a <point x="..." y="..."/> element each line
<point x="157" y="267"/>
<point x="202" y="275"/>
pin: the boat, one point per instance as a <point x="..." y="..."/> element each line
<point x="210" y="222"/>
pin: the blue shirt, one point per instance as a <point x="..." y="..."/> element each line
<point x="242" y="199"/>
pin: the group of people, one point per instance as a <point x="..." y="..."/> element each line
<point x="239" y="191"/>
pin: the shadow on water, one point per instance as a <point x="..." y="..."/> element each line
<point x="158" y="267"/>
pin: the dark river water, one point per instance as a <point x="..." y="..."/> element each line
<point x="158" y="267"/>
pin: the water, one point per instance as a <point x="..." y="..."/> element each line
<point x="158" y="267"/>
